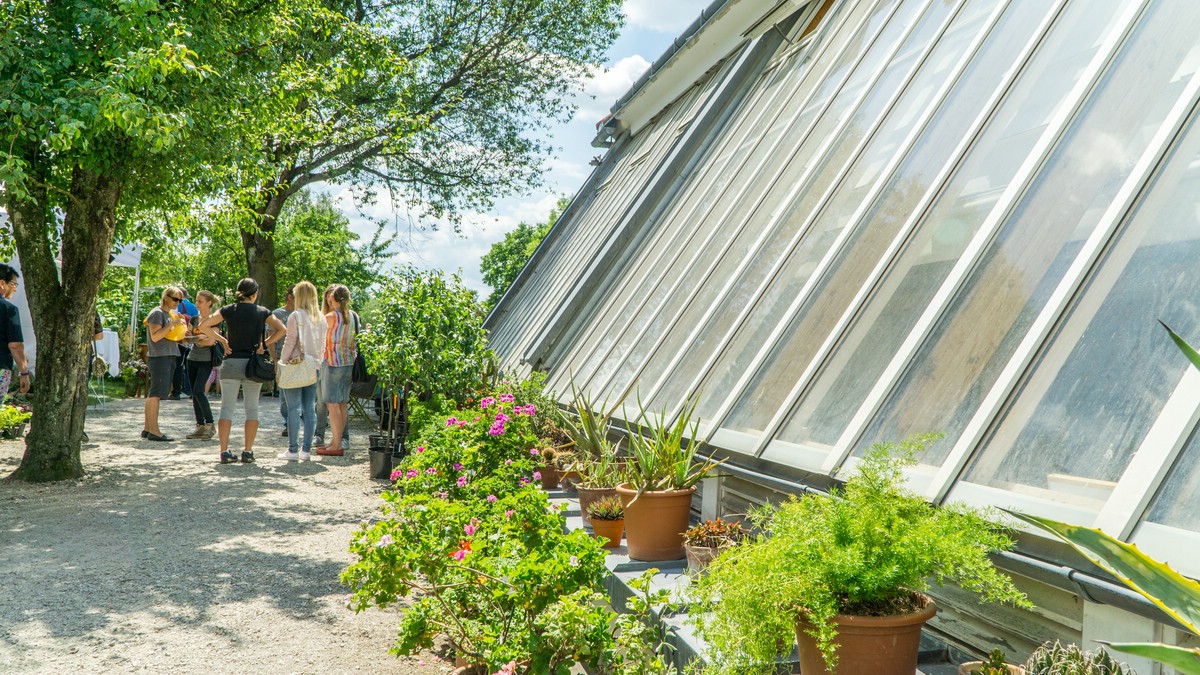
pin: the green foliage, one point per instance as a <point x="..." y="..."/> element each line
<point x="426" y="336"/>
<point x="994" y="665"/>
<point x="13" y="416"/>
<point x="863" y="550"/>
<point x="1059" y="659"/>
<point x="659" y="459"/>
<point x="715" y="534"/>
<point x="607" y="508"/>
<point x="505" y="259"/>
<point x="484" y="573"/>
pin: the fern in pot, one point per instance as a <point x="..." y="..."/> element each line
<point x="828" y="571"/>
<point x="661" y="478"/>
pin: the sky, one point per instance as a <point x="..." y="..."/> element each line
<point x="650" y="27"/>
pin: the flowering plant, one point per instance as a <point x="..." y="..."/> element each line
<point x="134" y="370"/>
<point x="485" y="572"/>
<point x="715" y="534"/>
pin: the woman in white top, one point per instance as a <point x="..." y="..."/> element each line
<point x="305" y="334"/>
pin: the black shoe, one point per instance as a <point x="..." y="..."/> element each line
<point x="145" y="433"/>
<point x="284" y="432"/>
<point x="156" y="437"/>
<point x="173" y="397"/>
<point x="247" y="457"/>
<point x="228" y="457"/>
<point x="85" y="437"/>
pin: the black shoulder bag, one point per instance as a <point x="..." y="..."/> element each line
<point x="260" y="368"/>
<point x="359" y="374"/>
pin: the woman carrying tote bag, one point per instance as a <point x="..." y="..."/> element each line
<point x="303" y="350"/>
<point x="245" y="322"/>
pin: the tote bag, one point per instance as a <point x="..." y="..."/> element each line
<point x="299" y="372"/>
<point x="259" y="367"/>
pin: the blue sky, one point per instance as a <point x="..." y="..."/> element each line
<point x="649" y="28"/>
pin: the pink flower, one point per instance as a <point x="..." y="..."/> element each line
<point x="509" y="513"/>
<point x="398" y="473"/>
<point x="537" y="475"/>
<point x="492" y="499"/>
<point x="459" y="555"/>
<point x="457" y="466"/>
<point x="508" y="462"/>
<point x="452" y="421"/>
<point x="462" y="481"/>
<point x="444" y="495"/>
<point x="509" y="668"/>
<point x="411" y="473"/>
<point x="420" y="449"/>
<point x="507" y="398"/>
<point x="462" y="423"/>
<point x="497" y="429"/>
<point x="470" y="529"/>
<point x="385" y="540"/>
<point x="501" y="417"/>
<point x="533" y="451"/>
<point x="524" y="482"/>
<point x="431" y="471"/>
<point x="486" y="402"/>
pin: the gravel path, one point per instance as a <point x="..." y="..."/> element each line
<point x="163" y="560"/>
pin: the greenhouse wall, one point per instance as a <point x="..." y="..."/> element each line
<point x="881" y="218"/>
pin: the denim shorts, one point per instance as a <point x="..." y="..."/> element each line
<point x="335" y="383"/>
<point x="162" y="371"/>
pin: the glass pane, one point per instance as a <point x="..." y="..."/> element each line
<point x="954" y="216"/>
<point x="1087" y="407"/>
<point x="976" y="337"/>
<point x="756" y="154"/>
<point x="804" y="260"/>
<point x="861" y="252"/>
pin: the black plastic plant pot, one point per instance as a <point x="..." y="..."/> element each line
<point x="381" y="462"/>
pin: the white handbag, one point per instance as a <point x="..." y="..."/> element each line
<point x="299" y="372"/>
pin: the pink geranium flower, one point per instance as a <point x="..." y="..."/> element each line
<point x="507" y="398"/>
<point x="411" y="473"/>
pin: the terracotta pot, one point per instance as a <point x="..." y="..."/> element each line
<point x="608" y="529"/>
<point x="974" y="666"/>
<point x="569" y="480"/>
<point x="655" y="522"/>
<point x="550" y="475"/>
<point x="699" y="557"/>
<point x="589" y="495"/>
<point x="869" y="645"/>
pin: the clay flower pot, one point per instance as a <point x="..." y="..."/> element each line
<point x="589" y="495"/>
<point x="699" y="557"/>
<point x="655" y="522"/>
<point x="550" y="476"/>
<point x="569" y="480"/>
<point x="608" y="529"/>
<point x="869" y="645"/>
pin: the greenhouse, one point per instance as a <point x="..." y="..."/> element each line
<point x="836" y="223"/>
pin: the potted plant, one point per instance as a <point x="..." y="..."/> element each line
<point x="1052" y="659"/>
<point x="845" y="574"/>
<point x="994" y="665"/>
<point x="704" y="542"/>
<point x="661" y="478"/>
<point x="608" y="520"/>
<point x="549" y="469"/>
<point x="13" y="420"/>
<point x="594" y="456"/>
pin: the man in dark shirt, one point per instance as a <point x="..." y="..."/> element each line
<point x="12" y="341"/>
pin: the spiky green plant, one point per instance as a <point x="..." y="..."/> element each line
<point x="1060" y="659"/>
<point x="606" y="508"/>
<point x="662" y="456"/>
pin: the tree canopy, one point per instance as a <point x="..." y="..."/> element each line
<point x="507" y="257"/>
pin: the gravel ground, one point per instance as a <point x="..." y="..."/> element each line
<point x="161" y="559"/>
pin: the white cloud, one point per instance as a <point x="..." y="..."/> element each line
<point x="664" y="16"/>
<point x="605" y="86"/>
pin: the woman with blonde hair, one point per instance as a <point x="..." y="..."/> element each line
<point x="164" y="328"/>
<point x="306" y="329"/>
<point x="200" y="364"/>
<point x="340" y="350"/>
<point x="247" y="322"/>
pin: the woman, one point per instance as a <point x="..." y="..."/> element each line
<point x="340" y="351"/>
<point x="200" y="366"/>
<point x="306" y="330"/>
<point x="246" y="324"/>
<point x="162" y="353"/>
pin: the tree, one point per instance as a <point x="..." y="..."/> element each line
<point x="440" y="103"/>
<point x="109" y="112"/>
<point x="507" y="257"/>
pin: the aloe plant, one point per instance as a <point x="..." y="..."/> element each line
<point x="659" y="456"/>
<point x="1170" y="591"/>
<point x="588" y="428"/>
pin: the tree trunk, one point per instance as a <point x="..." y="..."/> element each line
<point x="62" y="314"/>
<point x="259" y="245"/>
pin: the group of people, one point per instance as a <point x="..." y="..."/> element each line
<point x="225" y="340"/>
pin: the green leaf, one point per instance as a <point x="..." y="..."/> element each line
<point x="1184" y="347"/>
<point x="1170" y="591"/>
<point x="1186" y="661"/>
